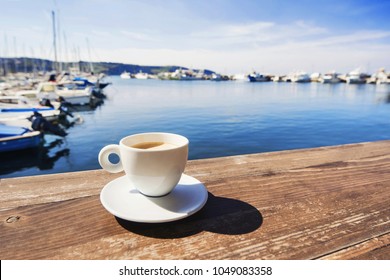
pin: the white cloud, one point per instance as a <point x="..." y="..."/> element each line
<point x="232" y="31"/>
<point x="138" y="36"/>
<point x="256" y="33"/>
<point x="352" y="38"/>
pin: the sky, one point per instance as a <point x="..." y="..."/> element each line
<point x="226" y="36"/>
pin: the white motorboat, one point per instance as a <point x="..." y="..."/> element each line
<point x="125" y="75"/>
<point x="73" y="95"/>
<point x="44" y="90"/>
<point x="380" y="77"/>
<point x="19" y="121"/>
<point x="20" y="107"/>
<point x="240" y="78"/>
<point x="355" y="77"/>
<point x="300" y="77"/>
<point x="70" y="92"/>
<point x="277" y="78"/>
<point x="141" y="75"/>
<point x="315" y="77"/>
<point x="330" y="78"/>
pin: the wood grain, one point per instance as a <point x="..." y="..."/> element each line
<point x="323" y="203"/>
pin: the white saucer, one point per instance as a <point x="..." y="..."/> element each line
<point x="123" y="201"/>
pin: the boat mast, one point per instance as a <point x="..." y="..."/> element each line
<point x="5" y="59"/>
<point x="54" y="42"/>
<point x="59" y="43"/>
<point x="89" y="54"/>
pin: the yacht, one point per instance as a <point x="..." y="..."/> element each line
<point x="141" y="76"/>
<point x="257" y="77"/>
<point x="330" y="78"/>
<point x="125" y="75"/>
<point x="355" y="77"/>
<point x="300" y="77"/>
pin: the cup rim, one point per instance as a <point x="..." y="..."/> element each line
<point x="183" y="139"/>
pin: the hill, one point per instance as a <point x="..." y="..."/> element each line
<point x="28" y="65"/>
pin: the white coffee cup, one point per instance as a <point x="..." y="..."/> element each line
<point x="154" y="162"/>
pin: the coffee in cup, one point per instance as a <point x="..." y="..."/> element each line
<point x="153" y="146"/>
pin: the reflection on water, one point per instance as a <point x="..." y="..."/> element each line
<point x="386" y="99"/>
<point x="41" y="158"/>
<point x="95" y="103"/>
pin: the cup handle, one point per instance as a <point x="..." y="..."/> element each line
<point x="105" y="162"/>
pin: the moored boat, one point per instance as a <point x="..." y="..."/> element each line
<point x="257" y="77"/>
<point x="300" y="77"/>
<point x="73" y="95"/>
<point x="125" y="75"/>
<point x="329" y="78"/>
<point x="73" y="92"/>
<point x="315" y="77"/>
<point x="82" y="83"/>
<point x="380" y="77"/>
<point x="141" y="75"/>
<point x="240" y="77"/>
<point x="277" y="78"/>
<point x="44" y="90"/>
<point x="14" y="138"/>
<point x="356" y="77"/>
<point x="21" y="107"/>
<point x="216" y="77"/>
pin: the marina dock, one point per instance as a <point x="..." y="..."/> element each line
<point x="321" y="203"/>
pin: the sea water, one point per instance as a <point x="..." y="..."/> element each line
<point x="219" y="119"/>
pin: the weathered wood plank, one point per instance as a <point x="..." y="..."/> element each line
<point x="50" y="188"/>
<point x="324" y="203"/>
<point x="377" y="248"/>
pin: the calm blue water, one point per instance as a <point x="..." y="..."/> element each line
<point x="219" y="118"/>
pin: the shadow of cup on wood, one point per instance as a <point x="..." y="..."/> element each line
<point x="219" y="215"/>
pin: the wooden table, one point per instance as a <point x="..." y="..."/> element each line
<point x="323" y="203"/>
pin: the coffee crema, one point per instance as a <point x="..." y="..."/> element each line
<point x="153" y="146"/>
